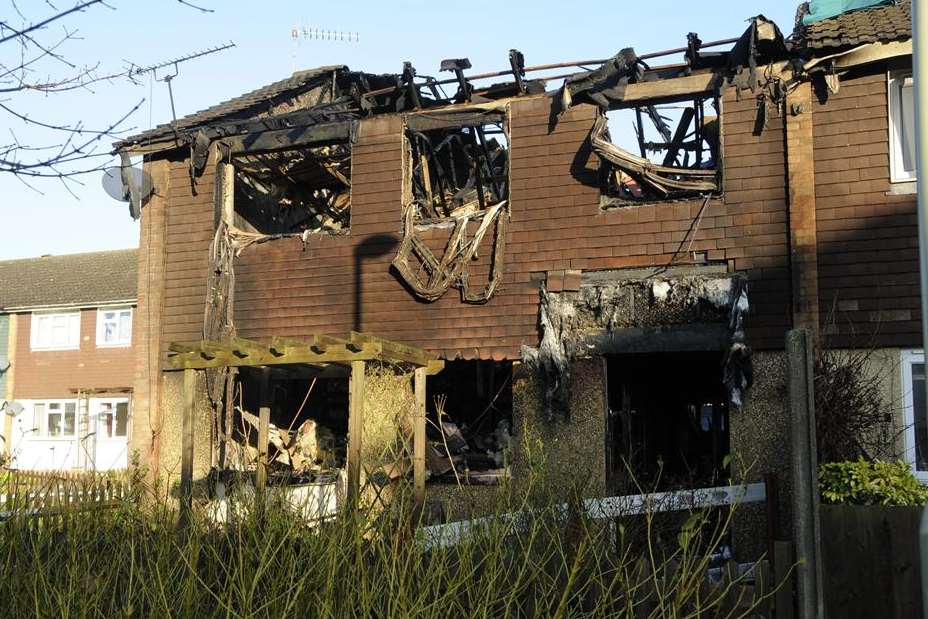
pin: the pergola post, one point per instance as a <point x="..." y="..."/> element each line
<point x="355" y="429"/>
<point x="264" y="421"/>
<point x="418" y="440"/>
<point x="186" y="462"/>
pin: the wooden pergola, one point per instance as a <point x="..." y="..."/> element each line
<point x="320" y="353"/>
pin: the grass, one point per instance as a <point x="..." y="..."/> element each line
<point x="137" y="562"/>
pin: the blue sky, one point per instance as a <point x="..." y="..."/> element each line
<point x="53" y="221"/>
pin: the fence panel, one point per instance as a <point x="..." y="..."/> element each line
<point x="36" y="492"/>
<point x="871" y="565"/>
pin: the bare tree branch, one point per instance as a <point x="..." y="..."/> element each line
<point x="193" y="6"/>
<point x="64" y="149"/>
<point x="19" y="33"/>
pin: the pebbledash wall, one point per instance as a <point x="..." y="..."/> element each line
<point x="42" y="376"/>
<point x="867" y="262"/>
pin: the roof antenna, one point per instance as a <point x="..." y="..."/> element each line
<point x="299" y="32"/>
<point x="135" y="71"/>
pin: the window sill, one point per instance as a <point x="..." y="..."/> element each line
<point x="121" y="345"/>
<point x="902" y="188"/>
<point x="53" y="349"/>
<point x="53" y="439"/>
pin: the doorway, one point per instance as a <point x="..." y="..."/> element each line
<point x="668" y="425"/>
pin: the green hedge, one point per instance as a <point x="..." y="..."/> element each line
<point x="870" y="483"/>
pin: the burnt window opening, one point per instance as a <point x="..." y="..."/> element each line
<point x="458" y="169"/>
<point x="660" y="152"/>
<point x="309" y="418"/>
<point x="473" y="402"/>
<point x="294" y="191"/>
<point x="668" y="421"/>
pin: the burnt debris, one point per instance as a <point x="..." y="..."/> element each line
<point x="294" y="191"/>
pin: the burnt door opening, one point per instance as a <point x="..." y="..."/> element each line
<point x="668" y="421"/>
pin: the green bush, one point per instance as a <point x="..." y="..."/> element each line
<point x="870" y="483"/>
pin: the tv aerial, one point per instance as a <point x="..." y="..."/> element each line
<point x="127" y="183"/>
<point x="135" y="71"/>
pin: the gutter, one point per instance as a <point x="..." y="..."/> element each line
<point x="16" y="309"/>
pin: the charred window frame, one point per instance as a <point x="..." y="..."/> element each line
<point x="678" y="146"/>
<point x="457" y="163"/>
<point x="294" y="191"/>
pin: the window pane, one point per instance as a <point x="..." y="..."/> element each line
<point x="122" y="418"/>
<point x="45" y="331"/>
<point x="38" y="415"/>
<point x="74" y="325"/>
<point x="69" y="419"/>
<point x="921" y="422"/>
<point x="105" y="429"/>
<point x="109" y="332"/>
<point x="908" y="128"/>
<point x="54" y="424"/>
<point x="60" y="335"/>
<point x="125" y="327"/>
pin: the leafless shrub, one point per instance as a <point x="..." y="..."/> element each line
<point x="850" y="413"/>
<point x="853" y="410"/>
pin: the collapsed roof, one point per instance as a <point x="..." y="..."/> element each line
<point x="333" y="94"/>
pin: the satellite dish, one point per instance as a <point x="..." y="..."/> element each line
<point x="12" y="407"/>
<point x="116" y="189"/>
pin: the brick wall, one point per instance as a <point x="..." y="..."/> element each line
<point x="802" y="229"/>
<point x="867" y="236"/>
<point x="146" y="424"/>
<point x="53" y="374"/>
<point x="287" y="288"/>
<point x="4" y="352"/>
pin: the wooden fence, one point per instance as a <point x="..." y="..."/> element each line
<point x="871" y="563"/>
<point x="38" y="492"/>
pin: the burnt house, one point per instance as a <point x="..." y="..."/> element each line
<point x="622" y="293"/>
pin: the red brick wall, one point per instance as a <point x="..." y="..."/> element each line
<point x="52" y="374"/>
<point x="800" y="160"/>
<point x="146" y="400"/>
<point x="867" y="238"/>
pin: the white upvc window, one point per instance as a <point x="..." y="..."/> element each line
<point x="901" y="127"/>
<point x="112" y="417"/>
<point x="56" y="418"/>
<point x="915" y="417"/>
<point x="114" y="327"/>
<point x="61" y="331"/>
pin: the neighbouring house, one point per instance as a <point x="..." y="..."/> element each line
<point x="621" y="293"/>
<point x="67" y="359"/>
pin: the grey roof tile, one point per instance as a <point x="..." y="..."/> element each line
<point x="880" y="24"/>
<point x="72" y="279"/>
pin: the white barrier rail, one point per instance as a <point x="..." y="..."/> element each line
<point x="445" y="535"/>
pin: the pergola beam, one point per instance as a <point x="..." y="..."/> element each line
<point x="321" y="350"/>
